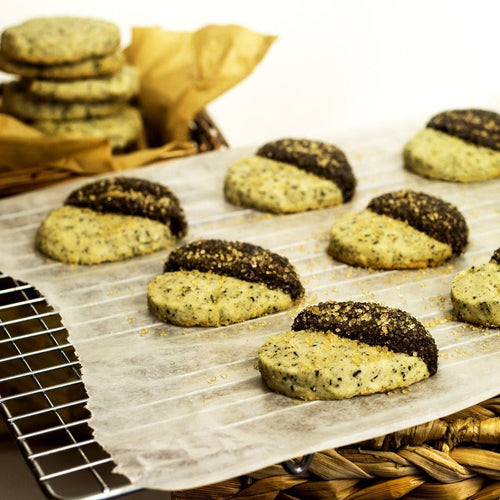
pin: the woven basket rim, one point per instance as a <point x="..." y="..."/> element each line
<point x="205" y="133"/>
<point x="456" y="456"/>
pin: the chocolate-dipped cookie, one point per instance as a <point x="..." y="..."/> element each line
<point x="291" y="175"/>
<point x="112" y="219"/>
<point x="457" y="146"/>
<point x="400" y="230"/>
<point x="338" y="350"/>
<point x="475" y="293"/>
<point x="216" y="282"/>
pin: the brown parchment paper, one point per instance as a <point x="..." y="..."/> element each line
<point x="183" y="407"/>
<point x="180" y="74"/>
<point x="189" y="71"/>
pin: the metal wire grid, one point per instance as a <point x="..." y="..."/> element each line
<point x="42" y="397"/>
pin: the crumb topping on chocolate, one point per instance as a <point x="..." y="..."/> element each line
<point x="237" y="259"/>
<point x="473" y="125"/>
<point x="322" y="159"/>
<point x="496" y="256"/>
<point x="132" y="196"/>
<point x="372" y="324"/>
<point x="435" y="217"/>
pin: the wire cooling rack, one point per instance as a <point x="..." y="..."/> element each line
<point x="42" y="397"/>
<point x="55" y="435"/>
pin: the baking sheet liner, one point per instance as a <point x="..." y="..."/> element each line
<point x="183" y="407"/>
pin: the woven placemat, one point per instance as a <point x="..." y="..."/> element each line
<point x="455" y="457"/>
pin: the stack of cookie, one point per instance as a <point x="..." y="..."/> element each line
<point x="73" y="79"/>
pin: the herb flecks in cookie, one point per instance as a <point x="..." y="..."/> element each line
<point x="456" y="146"/>
<point x="339" y="350"/>
<point x="371" y="324"/>
<point x="322" y="159"/>
<point x="433" y="216"/>
<point x="75" y="235"/>
<point x="132" y="196"/>
<point x="123" y="129"/>
<point x="53" y="40"/>
<point x="240" y="260"/>
<point x="475" y="293"/>
<point x="122" y="85"/>
<point x="111" y="220"/>
<point x="24" y="106"/>
<point x="94" y="67"/>
<point x="216" y="282"/>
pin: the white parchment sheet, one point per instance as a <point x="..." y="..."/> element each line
<point x="183" y="407"/>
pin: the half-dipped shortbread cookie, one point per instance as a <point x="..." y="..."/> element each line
<point x="457" y="146"/>
<point x="110" y="220"/>
<point x="400" y="230"/>
<point x="338" y="350"/>
<point x="291" y="175"/>
<point x="216" y="282"/>
<point x="475" y="293"/>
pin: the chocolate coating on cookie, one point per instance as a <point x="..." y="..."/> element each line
<point x="473" y="125"/>
<point x="496" y="256"/>
<point x="239" y="260"/>
<point x="435" y="217"/>
<point x="132" y="196"/>
<point x="372" y="324"/>
<point x="322" y="159"/>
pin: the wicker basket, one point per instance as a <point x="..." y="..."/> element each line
<point x="204" y="131"/>
<point x="456" y="457"/>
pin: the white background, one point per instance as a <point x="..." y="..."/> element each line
<point x="337" y="66"/>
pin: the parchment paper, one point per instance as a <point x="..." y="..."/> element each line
<point x="180" y="74"/>
<point x="183" y="407"/>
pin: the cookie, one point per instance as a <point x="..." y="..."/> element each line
<point x="82" y="236"/>
<point x="110" y="220"/>
<point x="216" y="282"/>
<point x="56" y="40"/>
<point x="123" y="85"/>
<point x="88" y="68"/>
<point x="400" y="230"/>
<point x="291" y="175"/>
<point x="18" y="103"/>
<point x="325" y="160"/>
<point x="271" y="186"/>
<point x="123" y="129"/>
<point x="338" y="350"/>
<point x="457" y="146"/>
<point x="472" y="125"/>
<point x="475" y="293"/>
